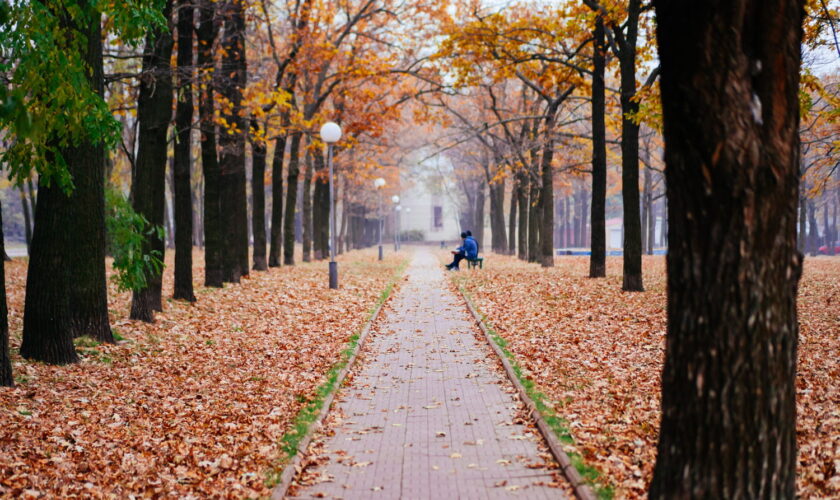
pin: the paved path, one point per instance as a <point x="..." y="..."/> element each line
<point x="429" y="413"/>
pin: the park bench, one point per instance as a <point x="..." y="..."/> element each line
<point x="476" y="262"/>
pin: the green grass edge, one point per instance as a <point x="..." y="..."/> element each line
<point x="306" y="416"/>
<point x="559" y="426"/>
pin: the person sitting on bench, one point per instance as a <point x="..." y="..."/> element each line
<point x="467" y="250"/>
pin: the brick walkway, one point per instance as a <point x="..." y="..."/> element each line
<point x="429" y="413"/>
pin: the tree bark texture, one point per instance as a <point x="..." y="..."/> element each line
<point x="498" y="237"/>
<point x="232" y="144"/>
<point x="477" y="222"/>
<point x="27" y="221"/>
<point x="258" y="161"/>
<point x="276" y="236"/>
<point x="207" y="32"/>
<point x="546" y="227"/>
<point x="183" y="154"/>
<point x="291" y="200"/>
<point x="730" y="81"/>
<point x="514" y="196"/>
<point x="148" y="190"/>
<point x="534" y="213"/>
<point x="523" y="208"/>
<point x="6" y="378"/>
<point x="306" y="207"/>
<point x="66" y="293"/>
<point x="321" y="208"/>
<point x="630" y="155"/>
<point x="598" y="239"/>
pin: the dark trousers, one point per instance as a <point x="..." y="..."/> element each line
<point x="458" y="258"/>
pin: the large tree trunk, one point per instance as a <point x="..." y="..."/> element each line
<point x="598" y="240"/>
<point x="6" y="379"/>
<point x="546" y="228"/>
<point x="232" y="144"/>
<point x="258" y="161"/>
<point x="27" y="221"/>
<point x="277" y="202"/>
<point x="183" y="155"/>
<point x="730" y="82"/>
<point x="207" y="32"/>
<point x="291" y="200"/>
<point x="522" y="205"/>
<point x="148" y="189"/>
<point x="630" y="155"/>
<point x="66" y="293"/>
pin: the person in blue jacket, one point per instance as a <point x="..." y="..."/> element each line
<point x="467" y="250"/>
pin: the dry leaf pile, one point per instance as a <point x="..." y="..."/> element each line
<point x="193" y="405"/>
<point x="597" y="352"/>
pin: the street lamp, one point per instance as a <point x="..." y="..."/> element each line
<point x="379" y="183"/>
<point x="330" y="134"/>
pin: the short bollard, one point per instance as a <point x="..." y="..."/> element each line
<point x="333" y="275"/>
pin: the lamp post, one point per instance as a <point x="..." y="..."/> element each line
<point x="330" y="134"/>
<point x="379" y="183"/>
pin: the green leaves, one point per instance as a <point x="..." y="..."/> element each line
<point x="127" y="236"/>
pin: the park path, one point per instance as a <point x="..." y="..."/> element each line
<point x="429" y="413"/>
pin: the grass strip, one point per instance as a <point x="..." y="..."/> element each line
<point x="307" y="415"/>
<point x="559" y="426"/>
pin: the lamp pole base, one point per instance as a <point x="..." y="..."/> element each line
<point x="380" y="252"/>
<point x="333" y="275"/>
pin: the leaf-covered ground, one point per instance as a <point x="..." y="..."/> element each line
<point x="194" y="405"/>
<point x="598" y="352"/>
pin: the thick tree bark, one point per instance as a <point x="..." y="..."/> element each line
<point x="514" y="196"/>
<point x="291" y="200"/>
<point x="6" y="378"/>
<point x="66" y="293"/>
<point x="630" y="155"/>
<point x="207" y="32"/>
<point x="276" y="247"/>
<point x="598" y="240"/>
<point x="232" y="144"/>
<point x="498" y="239"/>
<point x="148" y="189"/>
<point x="730" y="82"/>
<point x="546" y="227"/>
<point x="27" y="221"/>
<point x="258" y="161"/>
<point x="183" y="154"/>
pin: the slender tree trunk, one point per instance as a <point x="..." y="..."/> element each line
<point x="306" y="210"/>
<point x="524" y="212"/>
<point x="546" y="227"/>
<point x="6" y="378"/>
<point x="478" y="216"/>
<point x="183" y="154"/>
<point x="258" y="161"/>
<point x="148" y="191"/>
<point x="728" y="384"/>
<point x="598" y="240"/>
<point x="646" y="199"/>
<point x="321" y="208"/>
<point x="534" y="213"/>
<point x="232" y="144"/>
<point x="207" y="32"/>
<point x="497" y="217"/>
<point x="32" y="196"/>
<point x="813" y="231"/>
<point x="514" y="196"/>
<point x="27" y="221"/>
<point x="66" y="292"/>
<point x="277" y="202"/>
<point x="651" y="226"/>
<point x="630" y="155"/>
<point x="291" y="200"/>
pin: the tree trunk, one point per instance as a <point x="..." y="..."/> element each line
<point x="730" y="83"/>
<point x="306" y="209"/>
<point x="148" y="190"/>
<point x="277" y="202"/>
<point x="232" y="144"/>
<point x="478" y="216"/>
<point x="630" y="155"/>
<point x="598" y="240"/>
<point x="32" y="196"/>
<point x="66" y="293"/>
<point x="813" y="231"/>
<point x="524" y="212"/>
<point x="291" y="200"/>
<point x="534" y="213"/>
<point x="497" y="217"/>
<point x="514" y="196"/>
<point x="6" y="378"/>
<point x="646" y="207"/>
<point x="207" y="32"/>
<point x="321" y="208"/>
<point x="27" y="221"/>
<point x="183" y="155"/>
<point x="258" y="161"/>
<point x="651" y="226"/>
<point x="546" y="227"/>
